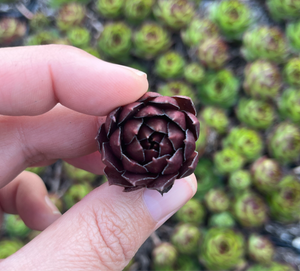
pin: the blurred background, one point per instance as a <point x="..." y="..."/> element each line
<point x="239" y="60"/>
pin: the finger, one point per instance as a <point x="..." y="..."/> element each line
<point x="103" y="231"/>
<point x="34" y="79"/>
<point x="27" y="196"/>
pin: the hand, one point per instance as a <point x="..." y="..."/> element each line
<point x="51" y="102"/>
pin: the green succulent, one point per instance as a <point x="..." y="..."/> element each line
<point x="186" y="239"/>
<point x="262" y="80"/>
<point x="217" y="200"/>
<point x="260" y="249"/>
<point x="39" y="21"/>
<point x="192" y="212"/>
<point x="266" y="174"/>
<point x="198" y="30"/>
<point x="115" y="41"/>
<point x="42" y="38"/>
<point x="15" y="227"/>
<point x="169" y="65"/>
<point x="215" y="118"/>
<point x="275" y="266"/>
<point x="70" y="15"/>
<point x="293" y="35"/>
<point x="222" y="249"/>
<point x="233" y="17"/>
<point x="222" y="220"/>
<point x="284" y="9"/>
<point x="58" y="3"/>
<point x="92" y="51"/>
<point x="255" y="114"/>
<point x="9" y="247"/>
<point x="150" y="40"/>
<point x="265" y="42"/>
<point x="109" y="8"/>
<point x="11" y="30"/>
<point x="220" y="89"/>
<point x="201" y="143"/>
<point x="292" y="71"/>
<point x="250" y="210"/>
<point x="284" y="142"/>
<point x="76" y="193"/>
<point x="37" y="170"/>
<point x="194" y="73"/>
<point x="258" y="267"/>
<point x="187" y="263"/>
<point x="164" y="257"/>
<point x="240" y="180"/>
<point x="137" y="10"/>
<point x="227" y="161"/>
<point x="213" y="53"/>
<point x="289" y="104"/>
<point x="77" y="174"/>
<point x="175" y="14"/>
<point x="285" y="203"/>
<point x="79" y="37"/>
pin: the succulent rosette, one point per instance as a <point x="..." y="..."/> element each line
<point x="109" y="8"/>
<point x="255" y="114"/>
<point x="192" y="212"/>
<point x="250" y="210"/>
<point x="39" y="21"/>
<point x="292" y="71"/>
<point x="265" y="42"/>
<point x="258" y="267"/>
<point x="260" y="249"/>
<point x="71" y="14"/>
<point x="240" y="180"/>
<point x="187" y="263"/>
<point x="79" y="37"/>
<point x="42" y="38"/>
<point x="222" y="220"/>
<point x="262" y="80"/>
<point x="201" y="143"/>
<point x="169" y="65"/>
<point x="216" y="200"/>
<point x="284" y="143"/>
<point x="266" y="174"/>
<point x="9" y="247"/>
<point x="198" y="30"/>
<point x="289" y="104"/>
<point x="92" y="51"/>
<point x="15" y="227"/>
<point x="215" y="118"/>
<point x="11" y="30"/>
<point x="186" y="238"/>
<point x="194" y="73"/>
<point x="233" y="17"/>
<point x="158" y="146"/>
<point x="175" y="14"/>
<point x="222" y="249"/>
<point x="285" y="203"/>
<point x="293" y="35"/>
<point x="150" y="40"/>
<point x="220" y="89"/>
<point x="213" y="53"/>
<point x="137" y="10"/>
<point x="76" y="193"/>
<point x="276" y="266"/>
<point x="284" y="9"/>
<point x="164" y="256"/>
<point x="77" y="174"/>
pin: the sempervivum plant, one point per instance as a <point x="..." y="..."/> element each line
<point x="289" y="104"/>
<point x="262" y="80"/>
<point x="293" y="35"/>
<point x="42" y="37"/>
<point x="276" y="266"/>
<point x="284" y="9"/>
<point x="292" y="71"/>
<point x="266" y="43"/>
<point x="169" y="65"/>
<point x="39" y="21"/>
<point x="232" y="16"/>
<point x="158" y="146"/>
<point x="217" y="200"/>
<point x="109" y="8"/>
<point x="266" y="174"/>
<point x="222" y="220"/>
<point x="250" y="209"/>
<point x="137" y="10"/>
<point x="240" y="180"/>
<point x="11" y="30"/>
<point x="15" y="227"/>
<point x="220" y="88"/>
<point x="199" y="30"/>
<point x="164" y="256"/>
<point x="255" y="114"/>
<point x="150" y="40"/>
<point x="213" y="53"/>
<point x="175" y="14"/>
<point x="201" y="143"/>
<point x="285" y="203"/>
<point x="192" y="212"/>
<point x="115" y="40"/>
<point x="79" y="36"/>
<point x="187" y="263"/>
<point x="194" y="73"/>
<point x="9" y="247"/>
<point x="222" y="249"/>
<point x="284" y="142"/>
<point x="92" y="51"/>
<point x="216" y="118"/>
<point x="186" y="238"/>
<point x="70" y="15"/>
<point x="260" y="249"/>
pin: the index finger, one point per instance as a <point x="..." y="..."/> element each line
<point x="35" y="78"/>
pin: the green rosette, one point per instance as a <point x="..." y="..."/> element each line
<point x="92" y="51"/>
<point x="265" y="42"/>
<point x="215" y="118"/>
<point x="216" y="200"/>
<point x="38" y="22"/>
<point x="292" y="71"/>
<point x="15" y="227"/>
<point x="258" y="267"/>
<point x="240" y="180"/>
<point x="203" y="137"/>
<point x="276" y="266"/>
<point x="42" y="38"/>
<point x="266" y="174"/>
<point x="192" y="212"/>
<point x="187" y="263"/>
<point x="260" y="249"/>
<point x="59" y="3"/>
<point x="164" y="257"/>
<point x="284" y="143"/>
<point x="222" y="249"/>
<point x="9" y="247"/>
<point x="219" y="89"/>
<point x="77" y="174"/>
<point x="186" y="239"/>
<point x="233" y="17"/>
<point x="284" y="9"/>
<point x="170" y="65"/>
<point x="76" y="193"/>
<point x="262" y="80"/>
<point x="222" y="220"/>
<point x="11" y="30"/>
<point x="79" y="37"/>
<point x="250" y="210"/>
<point x="150" y="40"/>
<point x="194" y="73"/>
<point x="137" y="10"/>
<point x="198" y="30"/>
<point x="255" y="114"/>
<point x="109" y="8"/>
<point x="175" y="14"/>
<point x="285" y="203"/>
<point x="293" y="35"/>
<point x="289" y="105"/>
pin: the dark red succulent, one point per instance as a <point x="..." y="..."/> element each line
<point x="150" y="143"/>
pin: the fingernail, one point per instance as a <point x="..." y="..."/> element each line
<point x="162" y="207"/>
<point x="54" y="209"/>
<point x="138" y="72"/>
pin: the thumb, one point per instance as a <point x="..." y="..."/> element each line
<point x="103" y="231"/>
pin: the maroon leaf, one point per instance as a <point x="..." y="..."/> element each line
<point x="157" y="164"/>
<point x="145" y="132"/>
<point x="139" y="179"/>
<point x="157" y="124"/>
<point x="193" y="124"/>
<point x="185" y="104"/>
<point x="109" y="159"/>
<point x="128" y="111"/>
<point x="174" y="163"/>
<point x="165" y="102"/>
<point x="178" y="117"/>
<point x="135" y="151"/>
<point x="148" y="96"/>
<point x="149" y="111"/>
<point x="115" y="143"/>
<point x="149" y="154"/>
<point x="189" y="144"/>
<point x="163" y="183"/>
<point x="101" y="137"/>
<point x="189" y="165"/>
<point x="175" y="135"/>
<point x="115" y="178"/>
<point x="166" y="146"/>
<point x="132" y="166"/>
<point x="111" y="121"/>
<point x="156" y="137"/>
<point x="131" y="129"/>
